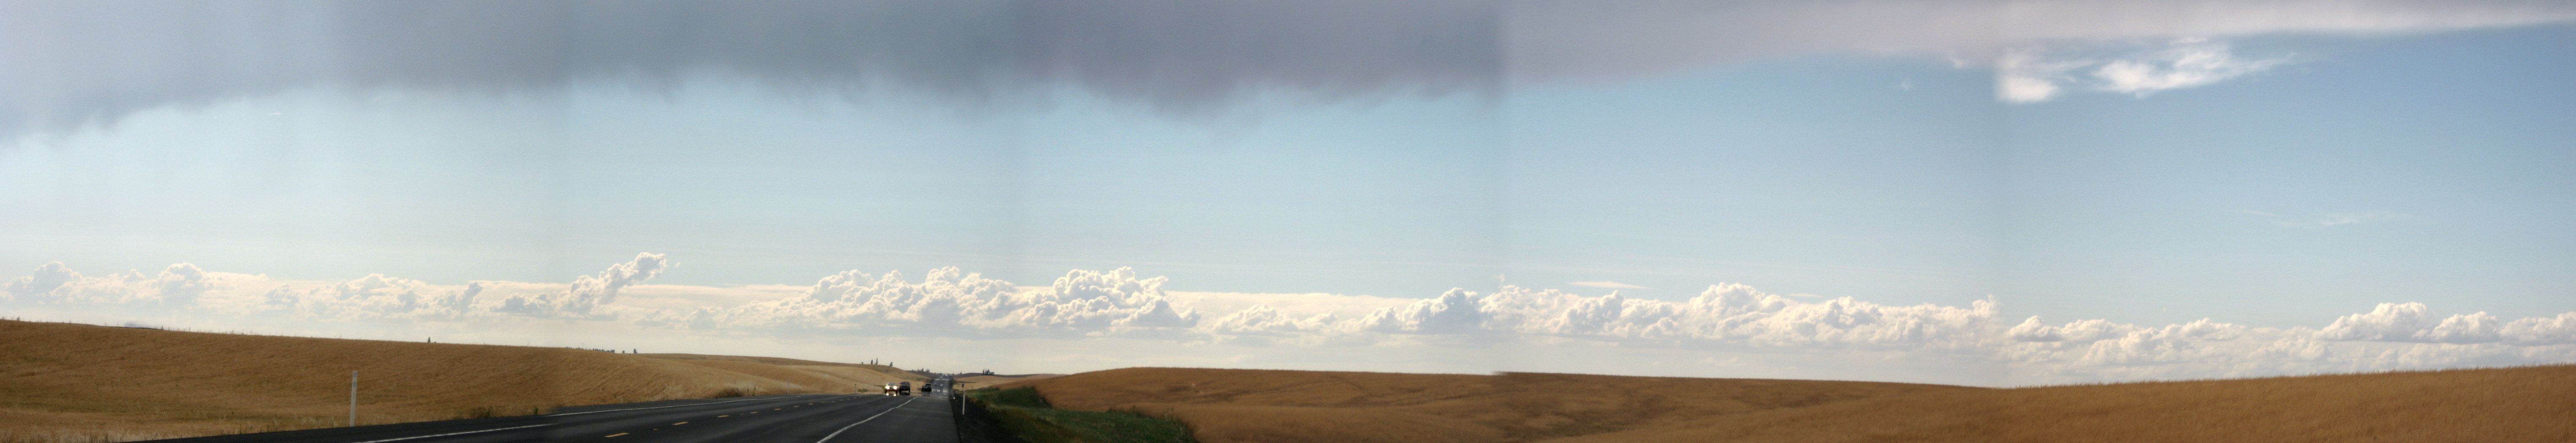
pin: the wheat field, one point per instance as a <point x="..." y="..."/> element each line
<point x="63" y="382"/>
<point x="2536" y="404"/>
<point x="1230" y="405"/>
<point x="983" y="381"/>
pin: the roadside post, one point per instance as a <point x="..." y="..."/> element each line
<point x="957" y="411"/>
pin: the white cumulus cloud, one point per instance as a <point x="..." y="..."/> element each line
<point x="1726" y="315"/>
<point x="2033" y="73"/>
<point x="178" y="285"/>
<point x="2185" y="63"/>
<point x="2543" y="331"/>
<point x="2392" y="336"/>
<point x="949" y="303"/>
<point x="2025" y="75"/>
<point x="590" y="291"/>
<point x="2414" y="322"/>
<point x="2389" y="321"/>
<point x="185" y="288"/>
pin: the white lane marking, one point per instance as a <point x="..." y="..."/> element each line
<point x="552" y="424"/>
<point x="871" y="417"/>
<point x="456" y="433"/>
<point x="673" y="406"/>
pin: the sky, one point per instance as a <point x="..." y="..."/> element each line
<point x="1979" y="193"/>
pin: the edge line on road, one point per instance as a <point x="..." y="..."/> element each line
<point x="456" y="433"/>
<point x="871" y="417"/>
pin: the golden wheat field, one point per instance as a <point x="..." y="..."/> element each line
<point x="2535" y="404"/>
<point x="984" y="381"/>
<point x="63" y="382"/>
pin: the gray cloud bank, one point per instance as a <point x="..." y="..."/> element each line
<point x="68" y="64"/>
<point x="951" y="303"/>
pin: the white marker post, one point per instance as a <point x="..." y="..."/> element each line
<point x="353" y="398"/>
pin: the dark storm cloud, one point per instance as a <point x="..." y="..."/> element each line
<point x="68" y="63"/>
<point x="64" y="64"/>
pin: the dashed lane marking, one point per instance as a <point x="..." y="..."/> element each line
<point x="456" y="433"/>
<point x="616" y="434"/>
<point x="871" y="417"/>
<point x="680" y="423"/>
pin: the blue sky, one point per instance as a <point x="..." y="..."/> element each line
<point x="2421" y="167"/>
<point x="2274" y="178"/>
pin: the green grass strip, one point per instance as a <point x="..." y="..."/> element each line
<point x="1026" y="413"/>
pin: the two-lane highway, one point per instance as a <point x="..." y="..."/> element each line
<point x="803" y="419"/>
<point x="809" y="418"/>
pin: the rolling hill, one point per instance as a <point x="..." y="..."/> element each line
<point x="82" y="383"/>
<point x="1228" y="405"/>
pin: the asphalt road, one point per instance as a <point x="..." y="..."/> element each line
<point x="808" y="418"/>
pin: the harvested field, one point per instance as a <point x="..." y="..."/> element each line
<point x="63" y="382"/>
<point x="1228" y="405"/>
<point x="835" y="378"/>
<point x="985" y="381"/>
<point x="772" y="361"/>
<point x="2536" y="404"/>
<point x="1222" y="405"/>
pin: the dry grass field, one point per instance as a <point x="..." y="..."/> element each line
<point x="2528" y="404"/>
<point x="1226" y="405"/>
<point x="64" y="382"/>
<point x="986" y="381"/>
<point x="80" y="383"/>
<point x="2483" y="405"/>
